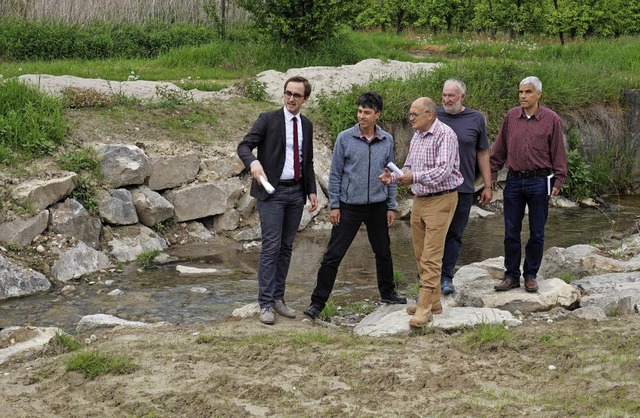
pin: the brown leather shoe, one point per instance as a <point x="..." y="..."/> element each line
<point x="507" y="284"/>
<point x="530" y="284"/>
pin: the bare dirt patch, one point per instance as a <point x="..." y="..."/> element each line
<point x="295" y="368"/>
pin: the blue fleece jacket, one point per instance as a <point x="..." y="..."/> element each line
<point x="355" y="168"/>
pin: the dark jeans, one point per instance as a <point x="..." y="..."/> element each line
<point x="518" y="193"/>
<point x="453" y="241"/>
<point x="280" y="216"/>
<point x="374" y="217"/>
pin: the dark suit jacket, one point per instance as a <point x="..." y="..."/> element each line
<point x="269" y="134"/>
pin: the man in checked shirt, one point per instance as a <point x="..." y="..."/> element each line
<point x="432" y="168"/>
<point x="530" y="144"/>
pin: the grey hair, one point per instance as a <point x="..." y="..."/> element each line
<point x="534" y="81"/>
<point x="459" y="83"/>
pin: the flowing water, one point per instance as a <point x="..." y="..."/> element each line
<point x="162" y="294"/>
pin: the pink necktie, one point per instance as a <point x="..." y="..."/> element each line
<point x="296" y="151"/>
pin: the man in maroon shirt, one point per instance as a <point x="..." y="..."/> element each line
<point x="530" y="144"/>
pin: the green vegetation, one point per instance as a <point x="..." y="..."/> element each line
<point x="94" y="363"/>
<point x="86" y="164"/>
<point x="487" y="335"/>
<point x="576" y="76"/>
<point x="67" y="341"/>
<point x="399" y="278"/>
<point x="31" y="124"/>
<point x="204" y="339"/>
<point x="567" y="277"/>
<point x="145" y="259"/>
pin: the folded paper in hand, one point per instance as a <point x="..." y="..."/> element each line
<point x="267" y="186"/>
<point x="391" y="166"/>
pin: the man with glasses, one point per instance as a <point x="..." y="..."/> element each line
<point x="360" y="154"/>
<point x="432" y="168"/>
<point x="531" y="145"/>
<point x="284" y="160"/>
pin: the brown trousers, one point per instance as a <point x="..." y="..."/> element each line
<point x="430" y="219"/>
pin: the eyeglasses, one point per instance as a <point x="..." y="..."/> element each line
<point x="413" y="115"/>
<point x="289" y="95"/>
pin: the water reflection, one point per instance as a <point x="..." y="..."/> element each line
<point x="164" y="295"/>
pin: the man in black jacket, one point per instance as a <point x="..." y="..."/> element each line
<point x="284" y="159"/>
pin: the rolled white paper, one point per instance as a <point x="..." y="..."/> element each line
<point x="267" y="186"/>
<point x="395" y="169"/>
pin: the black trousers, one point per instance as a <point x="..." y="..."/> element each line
<point x="374" y="216"/>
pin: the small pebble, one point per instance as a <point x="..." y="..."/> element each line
<point x="552" y="367"/>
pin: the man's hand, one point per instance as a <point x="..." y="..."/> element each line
<point x="486" y="195"/>
<point x="335" y="217"/>
<point x="313" y="199"/>
<point x="405" y="179"/>
<point x="555" y="191"/>
<point x="257" y="171"/>
<point x="494" y="185"/>
<point x="385" y="177"/>
<point x="391" y="217"/>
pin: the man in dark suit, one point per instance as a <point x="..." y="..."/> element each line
<point x="285" y="159"/>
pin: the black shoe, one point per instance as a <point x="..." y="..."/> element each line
<point x="394" y="299"/>
<point x="313" y="311"/>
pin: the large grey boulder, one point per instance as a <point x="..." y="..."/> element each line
<point x="124" y="165"/>
<point x="202" y="200"/>
<point x="474" y="287"/>
<point x="40" y="194"/>
<point x="558" y="261"/>
<point x="23" y="231"/>
<point x="173" y="171"/>
<point x="393" y="319"/>
<point x="77" y="262"/>
<point x="72" y="219"/>
<point x="615" y="293"/>
<point x="19" y="281"/>
<point x="129" y="242"/>
<point x="117" y="207"/>
<point x="151" y="207"/>
<point x="101" y="321"/>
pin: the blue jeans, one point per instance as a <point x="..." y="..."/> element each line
<point x="518" y="193"/>
<point x="280" y="216"/>
<point x="374" y="216"/>
<point x="453" y="241"/>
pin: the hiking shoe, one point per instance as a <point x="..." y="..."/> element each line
<point x="394" y="299"/>
<point x="283" y="310"/>
<point x="267" y="316"/>
<point x="446" y="286"/>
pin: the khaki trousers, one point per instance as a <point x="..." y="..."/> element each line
<point x="430" y="219"/>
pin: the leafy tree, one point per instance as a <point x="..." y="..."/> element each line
<point x="299" y="22"/>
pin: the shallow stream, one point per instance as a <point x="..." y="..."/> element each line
<point x="162" y="294"/>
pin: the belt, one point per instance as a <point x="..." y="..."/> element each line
<point x="438" y="193"/>
<point x="542" y="172"/>
<point x="287" y="183"/>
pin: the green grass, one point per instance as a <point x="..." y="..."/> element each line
<point x="145" y="259"/>
<point x="487" y="335"/>
<point x="94" y="363"/>
<point x="67" y="341"/>
<point x="31" y="124"/>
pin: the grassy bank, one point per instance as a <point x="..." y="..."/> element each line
<point x="575" y="77"/>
